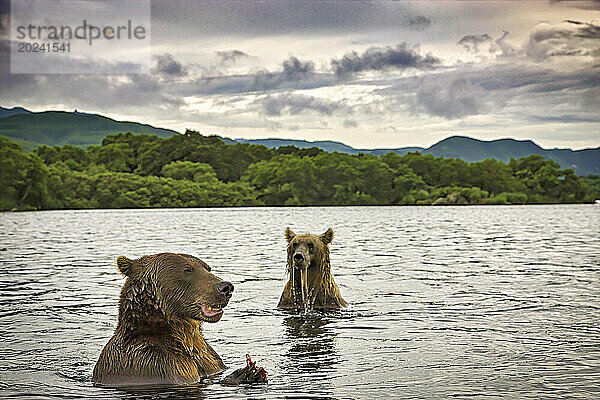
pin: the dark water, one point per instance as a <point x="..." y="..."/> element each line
<point x="478" y="302"/>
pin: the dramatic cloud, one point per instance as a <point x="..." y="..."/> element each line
<point x="167" y="65"/>
<point x="483" y="44"/>
<point x="229" y="76"/>
<point x="110" y="92"/>
<point x="298" y="74"/>
<point x="276" y="18"/>
<point x="403" y="56"/>
<point x="503" y="48"/>
<point x="569" y="38"/>
<point x="294" y="74"/>
<point x="4" y="24"/>
<point x="418" y="22"/>
<point x="350" y="123"/>
<point x="4" y="18"/>
<point x="294" y="70"/>
<point x="453" y="99"/>
<point x="291" y="104"/>
<point x="583" y="4"/>
<point x="472" y="42"/>
<point x="586" y="30"/>
<point x="519" y="87"/>
<point x="231" y="56"/>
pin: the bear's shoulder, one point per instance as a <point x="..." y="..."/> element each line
<point x="150" y="360"/>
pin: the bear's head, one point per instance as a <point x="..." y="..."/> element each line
<point x="310" y="283"/>
<point x="179" y="286"/>
<point x="308" y="251"/>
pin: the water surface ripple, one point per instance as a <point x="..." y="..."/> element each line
<point x="477" y="302"/>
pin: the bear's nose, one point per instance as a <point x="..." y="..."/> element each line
<point x="298" y="257"/>
<point x="225" y="288"/>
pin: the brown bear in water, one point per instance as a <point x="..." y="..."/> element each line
<point x="310" y="284"/>
<point x="158" y="339"/>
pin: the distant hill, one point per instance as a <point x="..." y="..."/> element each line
<point x="584" y="162"/>
<point x="58" y="128"/>
<point x="7" y="112"/>
<point x="327" y="145"/>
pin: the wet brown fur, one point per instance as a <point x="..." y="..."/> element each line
<point x="325" y="293"/>
<point x="158" y="339"/>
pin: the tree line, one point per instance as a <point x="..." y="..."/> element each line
<point x="192" y="170"/>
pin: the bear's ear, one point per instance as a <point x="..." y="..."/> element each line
<point x="327" y="237"/>
<point x="289" y="234"/>
<point x="126" y="266"/>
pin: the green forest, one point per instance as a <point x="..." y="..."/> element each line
<point x="192" y="170"/>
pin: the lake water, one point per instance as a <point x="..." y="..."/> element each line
<point x="477" y="302"/>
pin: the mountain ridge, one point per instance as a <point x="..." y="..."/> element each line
<point x="57" y="128"/>
<point x="584" y="162"/>
<point x="7" y="112"/>
<point x="32" y="129"/>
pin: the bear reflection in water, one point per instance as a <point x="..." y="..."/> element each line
<point x="312" y="357"/>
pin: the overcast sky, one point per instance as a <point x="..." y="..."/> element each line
<point x="369" y="74"/>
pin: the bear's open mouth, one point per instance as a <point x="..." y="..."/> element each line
<point x="211" y="313"/>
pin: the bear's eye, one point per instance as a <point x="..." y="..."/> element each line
<point x="311" y="246"/>
<point x="188" y="270"/>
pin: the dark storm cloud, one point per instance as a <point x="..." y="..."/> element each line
<point x="456" y="92"/>
<point x="293" y="104"/>
<point x="293" y="72"/>
<point x="485" y="44"/>
<point x="275" y="17"/>
<point x="582" y="4"/>
<point x="299" y="74"/>
<point x="166" y="64"/>
<point x="418" y="22"/>
<point x="570" y="38"/>
<point x="537" y="86"/>
<point x="4" y="24"/>
<point x="231" y="56"/>
<point x="475" y="90"/>
<point x="110" y="92"/>
<point x="403" y="56"/>
<point x="472" y="42"/>
<point x="567" y="118"/>
<point x="350" y="123"/>
<point x="452" y="98"/>
<point x="586" y="30"/>
<point x="4" y="50"/>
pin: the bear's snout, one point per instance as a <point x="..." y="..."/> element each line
<point x="225" y="288"/>
<point x="301" y="259"/>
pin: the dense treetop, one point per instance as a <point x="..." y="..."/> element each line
<point x="191" y="170"/>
